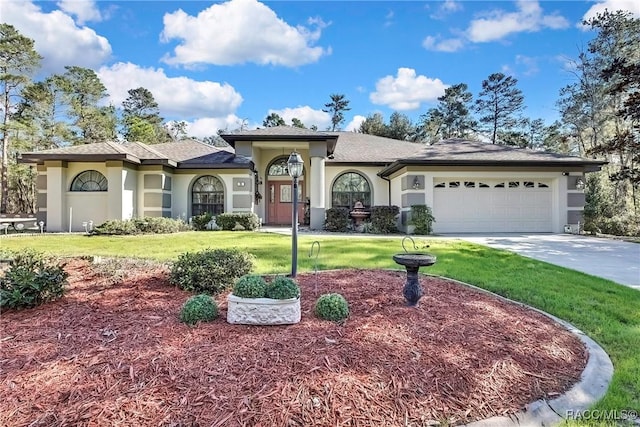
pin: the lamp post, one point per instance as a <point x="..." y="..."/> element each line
<point x="294" y="166"/>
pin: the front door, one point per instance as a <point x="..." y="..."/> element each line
<point x="280" y="202"/>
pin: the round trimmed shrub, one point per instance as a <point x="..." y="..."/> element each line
<point x="332" y="307"/>
<point x="209" y="271"/>
<point x="199" y="308"/>
<point x="250" y="286"/>
<point x="283" y="288"/>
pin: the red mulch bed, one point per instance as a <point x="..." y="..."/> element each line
<point x="113" y="353"/>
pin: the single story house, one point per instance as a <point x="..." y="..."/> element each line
<point x="470" y="186"/>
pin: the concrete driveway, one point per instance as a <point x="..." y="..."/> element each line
<point x="615" y="260"/>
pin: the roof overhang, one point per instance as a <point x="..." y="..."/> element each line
<point x="40" y="158"/>
<point x="331" y="140"/>
<point x="196" y="165"/>
<point x="586" y="165"/>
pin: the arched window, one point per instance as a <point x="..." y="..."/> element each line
<point x="349" y="188"/>
<point x="278" y="167"/>
<point x="89" y="181"/>
<point x="207" y="195"/>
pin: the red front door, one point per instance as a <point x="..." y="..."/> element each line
<point x="280" y="202"/>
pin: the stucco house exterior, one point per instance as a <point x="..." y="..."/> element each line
<point x="471" y="186"/>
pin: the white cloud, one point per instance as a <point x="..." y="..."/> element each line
<point x="355" y="123"/>
<point x="179" y="97"/>
<point x="240" y="31"/>
<point x="529" y="65"/>
<point x="451" y="6"/>
<point x="208" y="126"/>
<point x="523" y="66"/>
<point x="388" y="18"/>
<point x="57" y="38"/>
<point x="498" y="24"/>
<point x="439" y="45"/>
<point x="84" y="10"/>
<point x="447" y="7"/>
<point x="307" y="115"/>
<point x="507" y="70"/>
<point x="406" y="91"/>
<point x="567" y="63"/>
<point x="632" y="6"/>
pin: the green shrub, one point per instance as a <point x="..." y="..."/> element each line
<point x="200" y="222"/>
<point x="337" y="219"/>
<point x="230" y="221"/>
<point x="161" y="225"/>
<point x="146" y="225"/>
<point x="625" y="224"/>
<point x="422" y="218"/>
<point x="31" y="280"/>
<point x="250" y="286"/>
<point x="332" y="307"/>
<point x="116" y="227"/>
<point x="282" y="288"/>
<point x="209" y="271"/>
<point x="383" y="219"/>
<point x="199" y="308"/>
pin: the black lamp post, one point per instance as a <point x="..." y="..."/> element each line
<point x="294" y="166"/>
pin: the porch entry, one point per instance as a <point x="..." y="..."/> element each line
<point x="280" y="202"/>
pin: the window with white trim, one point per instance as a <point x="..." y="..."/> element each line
<point x="91" y="180"/>
<point x="207" y="196"/>
<point x="350" y="188"/>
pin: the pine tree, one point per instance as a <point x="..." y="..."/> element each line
<point x="338" y="105"/>
<point x="499" y="102"/>
<point x="18" y="61"/>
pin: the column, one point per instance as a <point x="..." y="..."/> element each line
<point x="317" y="188"/>
<point x="56" y="196"/>
<point x="114" y="193"/>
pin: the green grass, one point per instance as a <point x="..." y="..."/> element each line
<point x="607" y="312"/>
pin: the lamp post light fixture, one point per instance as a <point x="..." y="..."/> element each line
<point x="295" y="166"/>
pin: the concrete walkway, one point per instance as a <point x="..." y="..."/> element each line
<point x="611" y="259"/>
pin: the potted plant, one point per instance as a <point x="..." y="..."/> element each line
<point x="253" y="301"/>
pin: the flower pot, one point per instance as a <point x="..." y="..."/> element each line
<point x="262" y="311"/>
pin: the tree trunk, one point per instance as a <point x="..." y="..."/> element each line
<point x="4" y="180"/>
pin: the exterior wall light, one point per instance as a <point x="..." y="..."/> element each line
<point x="580" y="184"/>
<point x="416" y="183"/>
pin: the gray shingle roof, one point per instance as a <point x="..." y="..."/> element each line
<point x="458" y="152"/>
<point x="88" y="149"/>
<point x="355" y="147"/>
<point x="463" y="150"/>
<point x="186" y="153"/>
<point x="350" y="148"/>
<point x="275" y="131"/>
<point x="187" y="149"/>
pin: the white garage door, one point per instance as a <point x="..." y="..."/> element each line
<point x="470" y="205"/>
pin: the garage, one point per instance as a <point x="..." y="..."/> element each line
<point x="471" y="205"/>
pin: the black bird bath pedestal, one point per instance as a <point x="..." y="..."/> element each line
<point x="412" y="261"/>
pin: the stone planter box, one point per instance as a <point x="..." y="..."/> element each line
<point x="262" y="311"/>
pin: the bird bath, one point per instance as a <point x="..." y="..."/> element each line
<point x="412" y="261"/>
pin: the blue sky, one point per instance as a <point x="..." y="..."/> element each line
<point x="218" y="64"/>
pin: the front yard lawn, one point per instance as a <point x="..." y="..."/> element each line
<point x="607" y="312"/>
